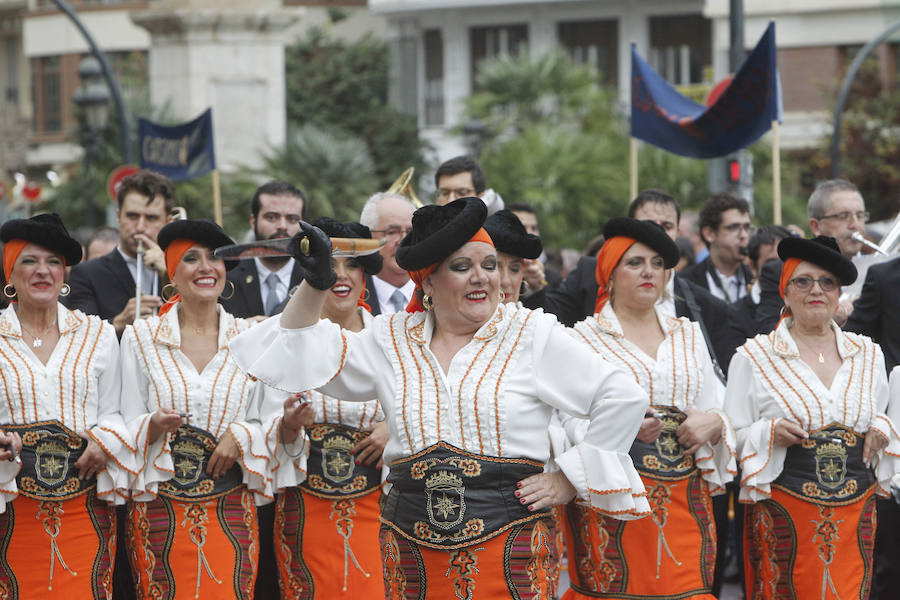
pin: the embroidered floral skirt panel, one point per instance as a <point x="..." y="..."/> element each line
<point x="667" y="555"/>
<point x="327" y="547"/>
<point x="57" y="549"/>
<point x="797" y="549"/>
<point x="206" y="549"/>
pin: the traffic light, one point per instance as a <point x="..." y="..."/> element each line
<point x="732" y="174"/>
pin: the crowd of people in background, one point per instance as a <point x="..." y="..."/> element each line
<point x="691" y="399"/>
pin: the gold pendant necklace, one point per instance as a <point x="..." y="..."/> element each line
<point x="821" y="358"/>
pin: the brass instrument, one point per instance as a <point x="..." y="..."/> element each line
<point x="403" y="186"/>
<point x="178" y="213"/>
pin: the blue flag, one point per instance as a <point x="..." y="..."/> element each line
<point x="740" y="116"/>
<point x="178" y="151"/>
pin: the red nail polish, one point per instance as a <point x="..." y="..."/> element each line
<point x="518" y="493"/>
<point x="523" y="500"/>
<point x="519" y="484"/>
<point x="531" y="508"/>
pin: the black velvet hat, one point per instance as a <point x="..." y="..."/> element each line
<point x="201" y="231"/>
<point x="439" y="231"/>
<point x="45" y="230"/>
<point x="646" y="232"/>
<point x="509" y="235"/>
<point x="371" y="263"/>
<point x="822" y="251"/>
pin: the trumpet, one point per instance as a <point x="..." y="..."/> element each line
<point x="857" y="236"/>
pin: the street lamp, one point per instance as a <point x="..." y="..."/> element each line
<point x="474" y="133"/>
<point x="92" y="97"/>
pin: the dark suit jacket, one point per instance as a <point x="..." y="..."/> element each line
<point x="697" y="273"/>
<point x="874" y="312"/>
<point x="373" y="296"/>
<point x="575" y="297"/>
<point x="101" y="286"/>
<point x="247" y="299"/>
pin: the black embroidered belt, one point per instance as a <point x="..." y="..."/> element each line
<point x="49" y="452"/>
<point x="443" y="497"/>
<point x="191" y="449"/>
<point x="665" y="458"/>
<point x="331" y="470"/>
<point x="827" y="467"/>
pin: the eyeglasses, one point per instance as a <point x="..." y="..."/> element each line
<point x="804" y="283"/>
<point x="444" y="193"/>
<point x="735" y="227"/>
<point x="393" y="233"/>
<point x="844" y="215"/>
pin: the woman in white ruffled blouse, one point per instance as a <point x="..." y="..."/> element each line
<point x="685" y="447"/>
<point x="816" y="436"/>
<point x="59" y="380"/>
<point x="467" y="386"/>
<point x="196" y="434"/>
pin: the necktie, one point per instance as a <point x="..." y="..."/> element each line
<point x="272" y="298"/>
<point x="398" y="301"/>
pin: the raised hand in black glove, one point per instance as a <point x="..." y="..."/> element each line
<point x="316" y="261"/>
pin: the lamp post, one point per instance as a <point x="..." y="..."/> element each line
<point x="92" y="97"/>
<point x="474" y="133"/>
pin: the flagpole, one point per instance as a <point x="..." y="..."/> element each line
<point x="776" y="173"/>
<point x="217" y="197"/>
<point x="633" y="172"/>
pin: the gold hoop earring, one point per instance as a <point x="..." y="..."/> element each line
<point x="500" y="296"/>
<point x="6" y="291"/>
<point x="231" y="295"/>
<point x="784" y="313"/>
<point x="427" y="302"/>
<point x="172" y="291"/>
<point x="366" y="295"/>
<point x="65" y="290"/>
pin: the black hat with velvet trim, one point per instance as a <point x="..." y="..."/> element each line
<point x="202" y="231"/>
<point x="45" y="230"/>
<point x="371" y="263"/>
<point x="509" y="235"/>
<point x="647" y="233"/>
<point x="439" y="231"/>
<point x="821" y="251"/>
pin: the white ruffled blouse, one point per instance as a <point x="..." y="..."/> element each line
<point x="155" y="373"/>
<point x="496" y="399"/>
<point x="768" y="381"/>
<point x="680" y="376"/>
<point x="79" y="387"/>
<point x="288" y="469"/>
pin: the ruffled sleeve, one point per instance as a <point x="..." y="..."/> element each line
<point x="111" y="432"/>
<point x="717" y="462"/>
<point x="760" y="459"/>
<point x="887" y="465"/>
<point x="287" y="462"/>
<point x="575" y="380"/>
<point x="255" y="458"/>
<point x="153" y="460"/>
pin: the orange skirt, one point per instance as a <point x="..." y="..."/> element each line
<point x="520" y="563"/>
<point x="670" y="554"/>
<point x="798" y="549"/>
<point x="61" y="549"/>
<point x="327" y="548"/>
<point x="205" y="549"/>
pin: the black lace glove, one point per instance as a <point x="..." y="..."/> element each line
<point x="316" y="261"/>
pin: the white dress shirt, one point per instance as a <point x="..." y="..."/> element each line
<point x="385" y="290"/>
<point x="284" y="280"/>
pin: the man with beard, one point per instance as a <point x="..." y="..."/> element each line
<point x="262" y="285"/>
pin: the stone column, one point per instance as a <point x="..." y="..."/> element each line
<point x="228" y="55"/>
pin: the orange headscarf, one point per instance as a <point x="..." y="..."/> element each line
<point x="415" y="304"/>
<point x="787" y="269"/>
<point x="11" y="251"/>
<point x="607" y="259"/>
<point x="174" y="252"/>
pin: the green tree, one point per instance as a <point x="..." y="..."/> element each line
<point x="344" y="86"/>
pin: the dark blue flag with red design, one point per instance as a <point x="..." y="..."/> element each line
<point x="739" y="116"/>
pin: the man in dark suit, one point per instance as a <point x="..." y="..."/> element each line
<point x="106" y="286"/>
<point x="388" y="216"/>
<point x="263" y="285"/>
<point x="725" y="228"/>
<point x="874" y="315"/>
